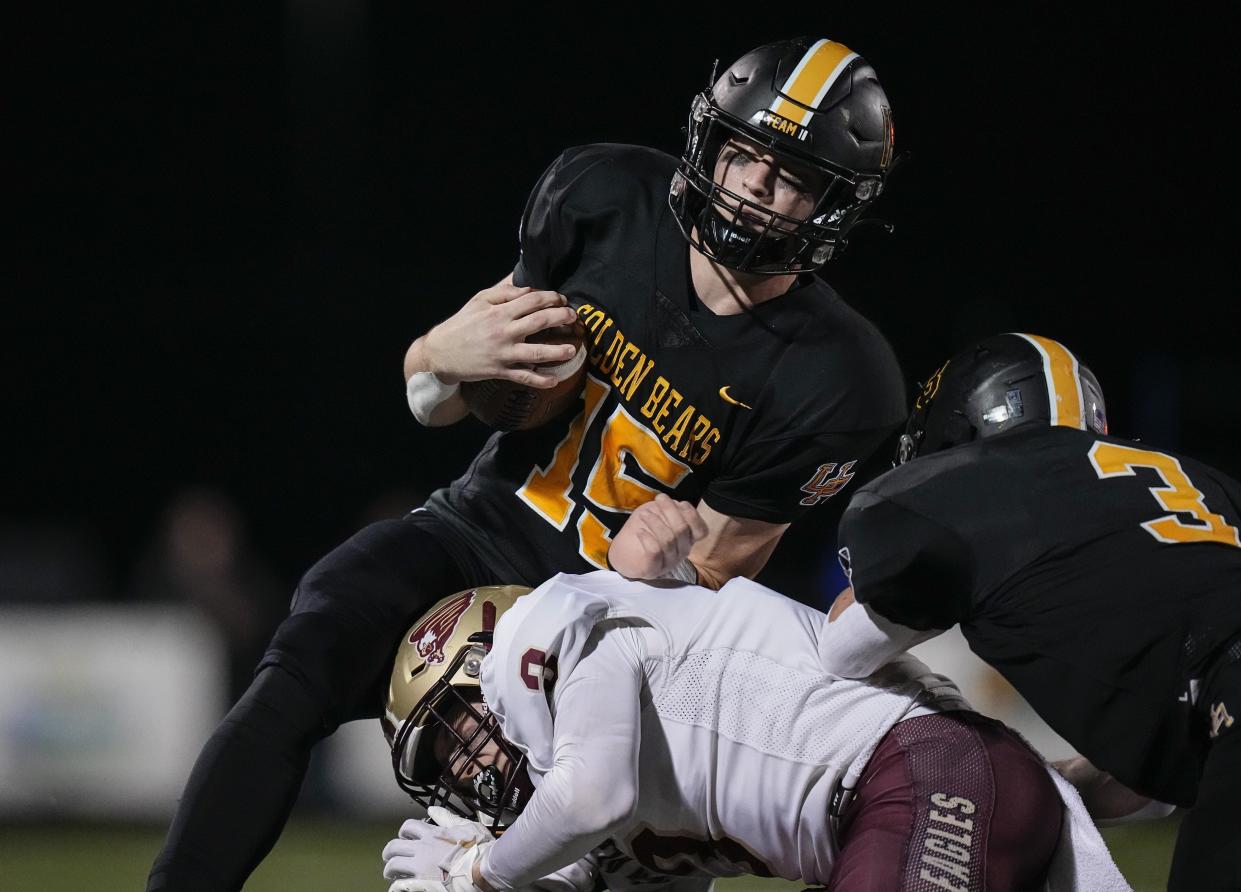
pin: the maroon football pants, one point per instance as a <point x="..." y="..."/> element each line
<point x="953" y="801"/>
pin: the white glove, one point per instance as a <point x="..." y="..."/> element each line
<point x="437" y="857"/>
<point x="458" y="875"/>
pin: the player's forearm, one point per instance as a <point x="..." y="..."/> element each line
<point x="591" y="790"/>
<point x="568" y="816"/>
<point x="732" y="547"/>
<point x="857" y="641"/>
<point x="418" y="359"/>
<point x="714" y="570"/>
<point x="576" y="877"/>
<point x="433" y="401"/>
<point x="1106" y="799"/>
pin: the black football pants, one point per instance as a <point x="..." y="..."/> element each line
<point x="1208" y="848"/>
<point x="328" y="663"/>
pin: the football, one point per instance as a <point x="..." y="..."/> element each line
<point x="507" y="406"/>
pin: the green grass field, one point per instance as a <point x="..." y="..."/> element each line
<point x="344" y="857"/>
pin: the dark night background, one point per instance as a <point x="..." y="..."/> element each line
<point x="228" y="225"/>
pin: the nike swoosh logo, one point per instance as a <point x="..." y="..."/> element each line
<point x="728" y="399"/>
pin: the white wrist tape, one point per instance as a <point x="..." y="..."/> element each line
<point x="683" y="572"/>
<point x="424" y="392"/>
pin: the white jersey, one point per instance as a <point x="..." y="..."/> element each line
<point x="707" y="715"/>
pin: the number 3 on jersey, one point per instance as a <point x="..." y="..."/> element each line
<point x="1179" y="495"/>
<point x="608" y="487"/>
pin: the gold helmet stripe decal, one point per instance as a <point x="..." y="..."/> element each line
<point x="811" y="79"/>
<point x="1064" y="383"/>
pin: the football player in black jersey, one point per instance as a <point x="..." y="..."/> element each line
<point x="729" y="390"/>
<point x="1101" y="577"/>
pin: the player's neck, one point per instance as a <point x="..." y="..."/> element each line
<point x="726" y="292"/>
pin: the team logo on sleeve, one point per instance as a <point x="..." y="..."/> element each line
<point x="434" y="632"/>
<point x="824" y="484"/>
<point x="538" y="670"/>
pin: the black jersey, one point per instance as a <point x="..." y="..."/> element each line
<point x="1100" y="577"/>
<point x="762" y="414"/>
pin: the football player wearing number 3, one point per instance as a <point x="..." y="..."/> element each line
<point x="728" y="391"/>
<point x="1101" y="577"/>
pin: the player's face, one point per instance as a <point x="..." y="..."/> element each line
<point x="770" y="181"/>
<point x="465" y="751"/>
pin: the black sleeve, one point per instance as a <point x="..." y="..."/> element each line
<point x="908" y="568"/>
<point x="779" y="480"/>
<point x="539" y="235"/>
<point x="549" y="224"/>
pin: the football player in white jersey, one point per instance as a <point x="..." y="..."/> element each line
<point x="699" y="736"/>
<point x="642" y="731"/>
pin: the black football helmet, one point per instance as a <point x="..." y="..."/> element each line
<point x="814" y="102"/>
<point x="998" y="384"/>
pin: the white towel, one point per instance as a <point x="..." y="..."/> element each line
<point x="1082" y="862"/>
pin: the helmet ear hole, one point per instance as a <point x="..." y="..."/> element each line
<point x="958" y="429"/>
<point x="947" y="428"/>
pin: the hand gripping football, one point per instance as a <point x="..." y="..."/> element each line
<point x="507" y="406"/>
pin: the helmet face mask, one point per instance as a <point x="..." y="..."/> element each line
<point x="450" y="752"/>
<point x="447" y="747"/>
<point x="1001" y="383"/>
<point x="844" y="142"/>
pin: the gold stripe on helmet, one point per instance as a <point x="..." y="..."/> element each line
<point x="811" y="79"/>
<point x="1064" y="386"/>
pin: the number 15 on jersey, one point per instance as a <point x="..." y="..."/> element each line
<point x="547" y="489"/>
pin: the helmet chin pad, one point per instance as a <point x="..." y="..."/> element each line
<point x="734" y="244"/>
